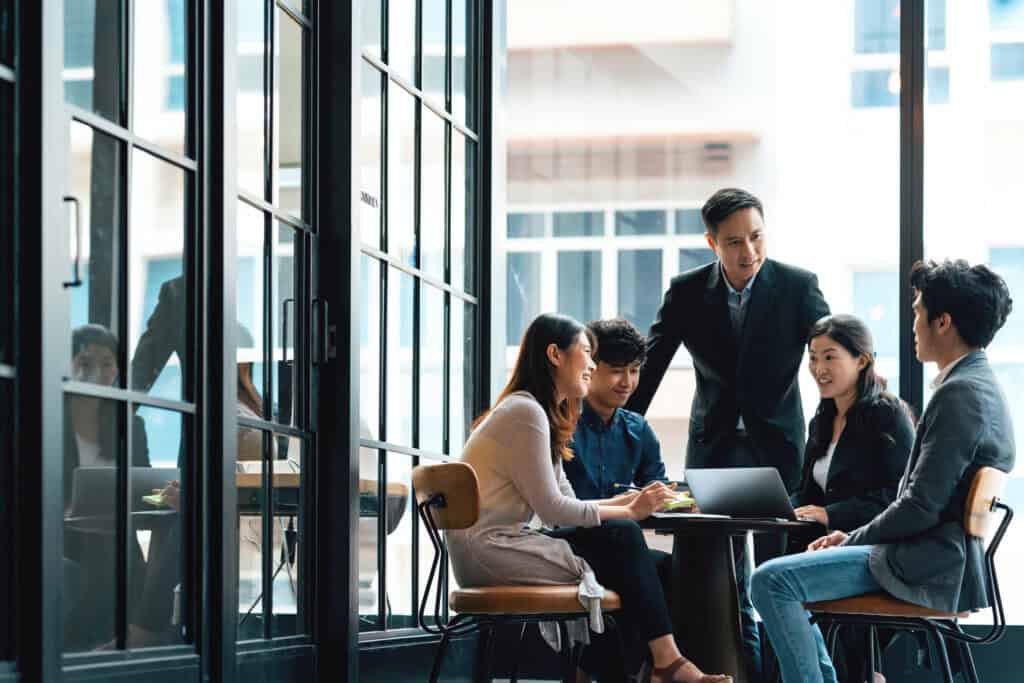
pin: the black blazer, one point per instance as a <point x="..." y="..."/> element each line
<point x="866" y="467"/>
<point x="921" y="552"/>
<point x="754" y="376"/>
<point x="110" y="441"/>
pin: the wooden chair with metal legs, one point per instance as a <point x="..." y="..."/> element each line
<point x="448" y="497"/>
<point x="876" y="610"/>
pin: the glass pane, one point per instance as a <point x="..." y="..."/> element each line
<point x="463" y="380"/>
<point x="92" y="57"/>
<point x="94" y="429"/>
<point x="689" y="222"/>
<point x="432" y="185"/>
<point x="639" y="279"/>
<point x="525" y="225"/>
<point x="370" y="153"/>
<point x="252" y="281"/>
<point x="523" y="294"/>
<point x="463" y="63"/>
<point x="434" y="22"/>
<point x="401" y="236"/>
<point x="289" y="119"/>
<point x="402" y="38"/>
<point x="6" y="221"/>
<point x="401" y="293"/>
<point x="6" y="32"/>
<point x="369" y="577"/>
<point x="1007" y="62"/>
<point x="287" y="273"/>
<point x="640" y="223"/>
<point x="96" y="167"/>
<point x="696" y="257"/>
<point x="157" y="595"/>
<point x="578" y="223"/>
<point x="372" y="12"/>
<point x="971" y="167"/>
<point x="159" y="313"/>
<point x="7" y="519"/>
<point x="399" y="522"/>
<point x="431" y="368"/>
<point x="288" y="536"/>
<point x="463" y="223"/>
<point x="254" y="447"/>
<point x="249" y="101"/>
<point x="369" y="348"/>
<point x="160" y="94"/>
<point x="579" y="284"/>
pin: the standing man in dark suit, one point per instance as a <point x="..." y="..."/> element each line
<point x="744" y="319"/>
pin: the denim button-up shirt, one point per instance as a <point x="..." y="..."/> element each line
<point x="625" y="451"/>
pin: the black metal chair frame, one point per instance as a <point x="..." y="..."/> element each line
<point x="487" y="624"/>
<point x="937" y="630"/>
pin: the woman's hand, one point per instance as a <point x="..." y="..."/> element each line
<point x="818" y="514"/>
<point x="831" y="540"/>
<point x="623" y="498"/>
<point x="651" y="499"/>
<point x="172" y="494"/>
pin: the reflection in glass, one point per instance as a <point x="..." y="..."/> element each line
<point x="463" y="68"/>
<point x="160" y="96"/>
<point x="6" y="32"/>
<point x="158" y="309"/>
<point x="372" y="21"/>
<point x="401" y="237"/>
<point x="579" y="284"/>
<point x="463" y="226"/>
<point x="523" y="225"/>
<point x="289" y="616"/>
<point x="93" y="433"/>
<point x="432" y="184"/>
<point x="434" y="22"/>
<point x="695" y="257"/>
<point x="157" y="606"/>
<point x="463" y="344"/>
<point x="369" y="348"/>
<point x="522" y="289"/>
<point x="96" y="165"/>
<point x="286" y="267"/>
<point x="402" y="38"/>
<point x="370" y="199"/>
<point x="252" y="282"/>
<point x="401" y="293"/>
<point x="400" y="520"/>
<point x="369" y="579"/>
<point x="92" y="57"/>
<point x="249" y="100"/>
<point x="6" y="222"/>
<point x="289" y="110"/>
<point x="639" y="280"/>
<point x="431" y="368"/>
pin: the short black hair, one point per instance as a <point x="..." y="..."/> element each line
<point x="619" y="342"/>
<point x="92" y="334"/>
<point x="976" y="298"/>
<point x="725" y="203"/>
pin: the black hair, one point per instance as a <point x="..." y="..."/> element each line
<point x="975" y="297"/>
<point x="619" y="342"/>
<point x="852" y="334"/>
<point x="91" y="334"/>
<point x="725" y="203"/>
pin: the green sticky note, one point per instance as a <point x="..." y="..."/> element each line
<point x="156" y="500"/>
<point x="680" y="502"/>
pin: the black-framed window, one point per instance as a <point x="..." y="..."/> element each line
<point x="419" y="150"/>
<point x="276" y="239"/>
<point x="7" y="326"/>
<point x="877" y="26"/>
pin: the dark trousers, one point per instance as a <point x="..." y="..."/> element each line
<point x="622" y="562"/>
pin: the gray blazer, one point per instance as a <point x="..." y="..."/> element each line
<point x="922" y="554"/>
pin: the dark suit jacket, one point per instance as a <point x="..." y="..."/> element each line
<point x="922" y="553"/>
<point x="754" y="376"/>
<point x="164" y="335"/>
<point x="110" y="441"/>
<point x="866" y="466"/>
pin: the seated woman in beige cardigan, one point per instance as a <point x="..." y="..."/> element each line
<point x="517" y="451"/>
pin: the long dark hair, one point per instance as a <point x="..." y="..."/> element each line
<point x="853" y="335"/>
<point x="534" y="373"/>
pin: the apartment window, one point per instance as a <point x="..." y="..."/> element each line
<point x="579" y="284"/>
<point x="418" y="367"/>
<point x="525" y="225"/>
<point x="691" y="258"/>
<point x="1007" y="61"/>
<point x="881" y="87"/>
<point x="640" y="223"/>
<point x="639" y="277"/>
<point x="1006" y="15"/>
<point x="522" y="289"/>
<point x="689" y="222"/>
<point x="578" y="223"/>
<point x="877" y="26"/>
<point x="1009" y="262"/>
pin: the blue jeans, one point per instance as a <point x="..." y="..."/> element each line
<point x="781" y="586"/>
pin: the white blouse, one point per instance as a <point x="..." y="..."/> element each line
<point x="820" y="471"/>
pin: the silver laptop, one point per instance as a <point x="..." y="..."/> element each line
<point x="94" y="489"/>
<point x="740" y="492"/>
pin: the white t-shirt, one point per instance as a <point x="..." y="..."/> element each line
<point x="820" y="471"/>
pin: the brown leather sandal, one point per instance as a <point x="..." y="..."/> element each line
<point x="664" y="675"/>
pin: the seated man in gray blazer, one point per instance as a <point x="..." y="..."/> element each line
<point x="916" y="549"/>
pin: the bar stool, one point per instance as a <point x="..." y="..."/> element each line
<point x="448" y="497"/>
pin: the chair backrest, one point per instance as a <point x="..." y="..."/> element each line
<point x="454" y="490"/>
<point x="979" y="513"/>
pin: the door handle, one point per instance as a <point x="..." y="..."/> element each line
<point x="76" y="280"/>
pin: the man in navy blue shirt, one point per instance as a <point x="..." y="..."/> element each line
<point x="613" y="445"/>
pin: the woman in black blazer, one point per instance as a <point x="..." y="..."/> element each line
<point x="857" y="447"/>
